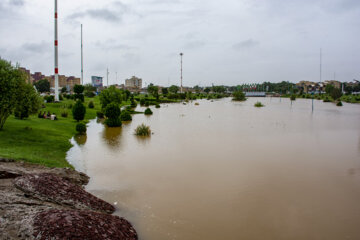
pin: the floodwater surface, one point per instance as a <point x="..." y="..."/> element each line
<point x="228" y="170"/>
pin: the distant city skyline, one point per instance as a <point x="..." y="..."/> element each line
<point x="224" y="43"/>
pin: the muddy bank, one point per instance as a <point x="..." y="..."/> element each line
<point x="37" y="202"/>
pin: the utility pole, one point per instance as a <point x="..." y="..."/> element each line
<point x="320" y="64"/>
<point x="107" y="77"/>
<point x="82" y="57"/>
<point x="116" y="77"/>
<point x="56" y="56"/>
<point x="181" y="86"/>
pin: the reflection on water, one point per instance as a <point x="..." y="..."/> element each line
<point x="80" y="139"/>
<point x="228" y="170"/>
<point x="112" y="136"/>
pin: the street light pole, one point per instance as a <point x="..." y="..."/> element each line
<point x="56" y="62"/>
<point x="181" y="76"/>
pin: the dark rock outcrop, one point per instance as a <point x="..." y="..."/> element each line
<point x="50" y="203"/>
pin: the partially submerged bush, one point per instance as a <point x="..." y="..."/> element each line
<point x="258" y="104"/>
<point x="326" y="99"/>
<point x="79" y="111"/>
<point x="110" y="122"/>
<point x="293" y="97"/>
<point x="239" y="96"/>
<point x="112" y="112"/>
<point x="157" y="105"/>
<point x="81" y="128"/>
<point x="143" y="130"/>
<point x="339" y="104"/>
<point x="125" y="116"/>
<point x="148" y="111"/>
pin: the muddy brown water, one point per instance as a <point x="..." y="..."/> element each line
<point x="228" y="170"/>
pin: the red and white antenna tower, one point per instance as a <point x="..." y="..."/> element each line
<point x="56" y="56"/>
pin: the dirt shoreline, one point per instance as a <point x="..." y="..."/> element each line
<point x="37" y="202"/>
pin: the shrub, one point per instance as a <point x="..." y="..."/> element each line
<point x="258" y="104"/>
<point x="91" y="104"/>
<point x="125" y="116"/>
<point x="64" y="113"/>
<point x="49" y="98"/>
<point x="157" y="105"/>
<point x="110" y="122"/>
<point x="78" y="111"/>
<point x="78" y="89"/>
<point x="148" y="111"/>
<point x="81" y="128"/>
<point x="112" y="112"/>
<point x="293" y="97"/>
<point x="147" y="103"/>
<point x="79" y="96"/>
<point x="70" y="106"/>
<point x="89" y="94"/>
<point x="339" y="104"/>
<point x="142" y="130"/>
<point x="133" y="104"/>
<point x="326" y="99"/>
<point x="239" y="96"/>
<point x="142" y="101"/>
<point x="100" y="114"/>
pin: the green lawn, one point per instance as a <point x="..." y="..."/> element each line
<point x="42" y="141"/>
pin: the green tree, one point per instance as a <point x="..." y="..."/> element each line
<point x="79" y="111"/>
<point x="239" y="95"/>
<point x="89" y="87"/>
<point x="63" y="90"/>
<point x="329" y="88"/>
<point x="174" y="89"/>
<point x="207" y="89"/>
<point x="153" y="90"/>
<point x="28" y="102"/>
<point x="164" y="91"/>
<point x="42" y="85"/>
<point x="79" y="89"/>
<point x="110" y="95"/>
<point x="112" y="113"/>
<point x="197" y="89"/>
<point x="12" y="90"/>
<point x="336" y="93"/>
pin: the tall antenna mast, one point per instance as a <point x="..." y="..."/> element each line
<point x="56" y="56"/>
<point x="82" y="57"/>
<point x="320" y="64"/>
<point x="181" y="86"/>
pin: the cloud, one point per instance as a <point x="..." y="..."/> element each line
<point x="17" y="2"/>
<point x="194" y="44"/>
<point x="112" y="44"/>
<point x="36" y="48"/>
<point x="113" y="13"/>
<point x="246" y="44"/>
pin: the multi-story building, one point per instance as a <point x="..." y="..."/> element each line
<point x="64" y="81"/>
<point x="133" y="82"/>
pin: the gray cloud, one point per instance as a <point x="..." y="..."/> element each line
<point x="36" y="48"/>
<point x="112" y="44"/>
<point x="17" y="2"/>
<point x="246" y="44"/>
<point x="194" y="44"/>
<point x="113" y="13"/>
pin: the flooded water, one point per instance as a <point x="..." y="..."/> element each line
<point x="228" y="170"/>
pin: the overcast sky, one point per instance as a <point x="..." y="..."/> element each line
<point x="226" y="42"/>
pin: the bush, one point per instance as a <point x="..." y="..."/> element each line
<point x="70" y="106"/>
<point x="148" y="111"/>
<point x="100" y="114"/>
<point x="113" y="122"/>
<point x="89" y="94"/>
<point x="293" y="97"/>
<point x="157" y="105"/>
<point x="112" y="112"/>
<point x="49" y="98"/>
<point x="78" y="89"/>
<point x="64" y="113"/>
<point x="79" y="96"/>
<point x="81" y="128"/>
<point x="326" y="99"/>
<point x="78" y="111"/>
<point x="133" y="104"/>
<point x="142" y="101"/>
<point x="339" y="104"/>
<point x="125" y="116"/>
<point x="143" y="130"/>
<point x="239" y="96"/>
<point x="91" y="104"/>
<point x="258" y="104"/>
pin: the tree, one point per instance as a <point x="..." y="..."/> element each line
<point x="336" y="93"/>
<point x="153" y="90"/>
<point x="78" y="89"/>
<point x="112" y="113"/>
<point x="42" y="85"/>
<point x="239" y="95"/>
<point x="89" y="87"/>
<point x="197" y="89"/>
<point x="174" y="89"/>
<point x="12" y="87"/>
<point x="207" y="89"/>
<point x="79" y="111"/>
<point x="28" y="102"/>
<point x="63" y="90"/>
<point x="164" y="91"/>
<point x="110" y="95"/>
<point x="219" y="89"/>
<point x="329" y="88"/>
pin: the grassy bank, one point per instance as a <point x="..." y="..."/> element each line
<point x="43" y="141"/>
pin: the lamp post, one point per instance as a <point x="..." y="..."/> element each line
<point x="181" y="76"/>
<point x="56" y="62"/>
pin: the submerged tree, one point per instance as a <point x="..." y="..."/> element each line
<point x="239" y="95"/>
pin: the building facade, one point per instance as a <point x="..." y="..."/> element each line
<point x="133" y="82"/>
